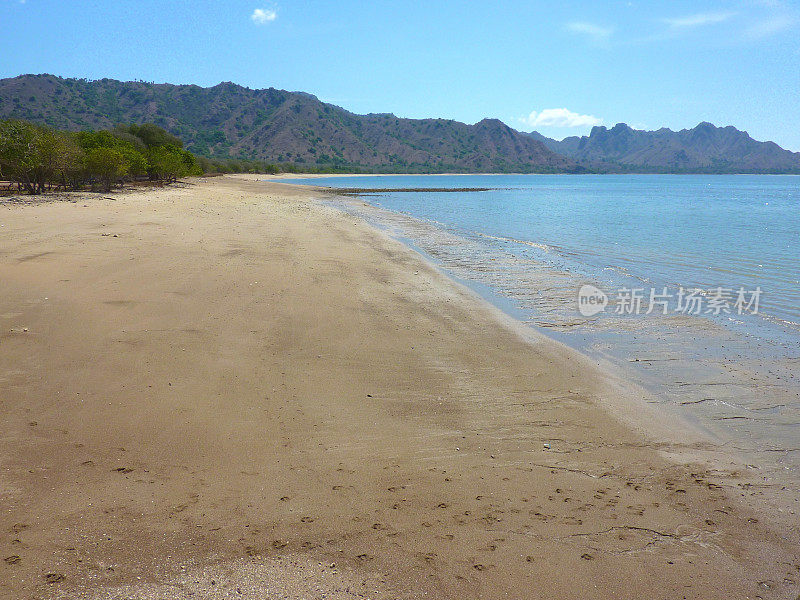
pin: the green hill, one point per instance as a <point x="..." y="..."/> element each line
<point x="277" y="126"/>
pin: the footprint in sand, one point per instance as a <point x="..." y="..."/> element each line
<point x="428" y="557"/>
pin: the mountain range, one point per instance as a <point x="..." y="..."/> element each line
<point x="231" y="121"/>
<point x="703" y="149"/>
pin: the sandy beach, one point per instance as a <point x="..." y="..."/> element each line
<point x="227" y="389"/>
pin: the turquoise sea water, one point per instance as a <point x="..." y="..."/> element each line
<point x="532" y="241"/>
<point x="666" y="230"/>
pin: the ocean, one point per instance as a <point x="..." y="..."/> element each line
<point x="689" y="284"/>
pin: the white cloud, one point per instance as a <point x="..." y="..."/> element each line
<point x="698" y="20"/>
<point x="262" y="16"/>
<point x="560" y="117"/>
<point x="598" y="32"/>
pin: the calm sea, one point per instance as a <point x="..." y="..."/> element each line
<point x="719" y="254"/>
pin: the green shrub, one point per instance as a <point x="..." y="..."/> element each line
<point x="107" y="164"/>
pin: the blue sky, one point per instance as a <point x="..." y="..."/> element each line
<point x="554" y="67"/>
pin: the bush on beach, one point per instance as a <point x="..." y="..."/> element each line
<point x="38" y="159"/>
<point x="35" y="157"/>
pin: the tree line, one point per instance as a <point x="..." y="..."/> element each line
<point x="39" y="159"/>
<point x="239" y="165"/>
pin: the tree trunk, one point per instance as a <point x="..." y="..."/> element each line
<point x="30" y="187"/>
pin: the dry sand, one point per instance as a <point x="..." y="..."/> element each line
<point x="228" y="390"/>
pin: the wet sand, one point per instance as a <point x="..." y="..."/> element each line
<point x="741" y="392"/>
<point x="229" y="390"/>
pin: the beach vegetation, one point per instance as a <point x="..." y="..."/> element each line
<point x="36" y="158"/>
<point x="107" y="164"/>
<point x="33" y="156"/>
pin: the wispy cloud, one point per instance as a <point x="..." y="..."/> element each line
<point x="594" y="31"/>
<point x="262" y="16"/>
<point x="560" y="117"/>
<point x="698" y="20"/>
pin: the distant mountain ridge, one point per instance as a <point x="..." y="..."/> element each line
<point x="703" y="149"/>
<point x="228" y="120"/>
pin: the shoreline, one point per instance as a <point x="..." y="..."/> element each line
<point x="634" y="412"/>
<point x="770" y="450"/>
<point x="412" y="430"/>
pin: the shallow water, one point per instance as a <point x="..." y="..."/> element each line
<point x="530" y="243"/>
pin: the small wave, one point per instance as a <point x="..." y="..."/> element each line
<point x="785" y="322"/>
<point x="626" y="273"/>
<point x="497" y="238"/>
